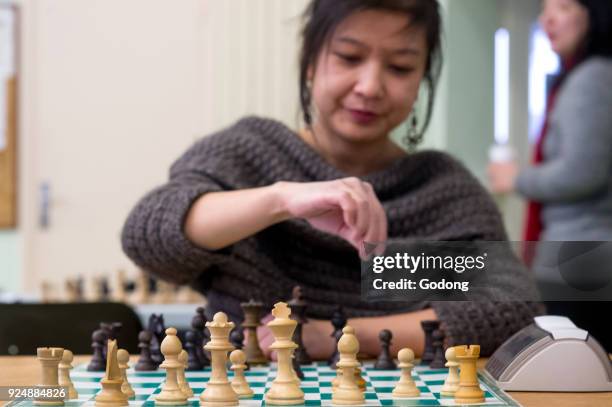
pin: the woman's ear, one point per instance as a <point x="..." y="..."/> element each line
<point x="310" y="73"/>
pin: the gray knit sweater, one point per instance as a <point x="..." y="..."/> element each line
<point x="426" y="195"/>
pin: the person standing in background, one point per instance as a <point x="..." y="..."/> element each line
<point x="569" y="185"/>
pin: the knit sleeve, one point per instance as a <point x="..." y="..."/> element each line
<point x="504" y="308"/>
<point x="153" y="235"/>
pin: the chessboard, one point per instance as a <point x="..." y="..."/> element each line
<point x="316" y="385"/>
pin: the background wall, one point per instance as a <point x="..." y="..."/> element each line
<point x="112" y="91"/>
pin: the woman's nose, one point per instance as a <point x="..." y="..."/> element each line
<point x="370" y="81"/>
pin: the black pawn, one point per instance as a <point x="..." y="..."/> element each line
<point x="98" y="344"/>
<point x="158" y="330"/>
<point x="193" y="361"/>
<point x="201" y="312"/>
<point x="439" y="360"/>
<point x="198" y="325"/>
<point x="115" y="327"/>
<point x="298" y="313"/>
<point x="338" y="321"/>
<point x="145" y="362"/>
<point x="237" y="338"/>
<point x="428" y="328"/>
<point x="105" y="327"/>
<point x="385" y="361"/>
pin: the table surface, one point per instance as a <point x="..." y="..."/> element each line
<point x="25" y="371"/>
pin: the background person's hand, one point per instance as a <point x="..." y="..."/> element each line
<point x="347" y="207"/>
<point x="502" y="176"/>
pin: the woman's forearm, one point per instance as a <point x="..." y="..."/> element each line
<point x="219" y="219"/>
<point x="406" y="329"/>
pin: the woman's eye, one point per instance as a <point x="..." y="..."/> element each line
<point x="401" y="69"/>
<point x="349" y="58"/>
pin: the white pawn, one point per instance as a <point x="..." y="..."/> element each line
<point x="182" y="381"/>
<point x="123" y="357"/>
<point x="348" y="392"/>
<point x="64" y="374"/>
<point x="406" y="387"/>
<point x="171" y="393"/>
<point x="451" y="384"/>
<point x="239" y="383"/>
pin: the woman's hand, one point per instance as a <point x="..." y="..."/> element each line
<point x="316" y="337"/>
<point x="347" y="207"/>
<point x="502" y="176"/>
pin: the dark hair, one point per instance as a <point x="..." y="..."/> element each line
<point x="599" y="36"/>
<point x="322" y="17"/>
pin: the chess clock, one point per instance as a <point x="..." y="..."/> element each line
<point x="551" y="354"/>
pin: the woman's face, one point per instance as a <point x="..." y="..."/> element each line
<point x="566" y="23"/>
<point x="367" y="76"/>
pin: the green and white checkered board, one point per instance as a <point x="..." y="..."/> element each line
<point x="316" y="386"/>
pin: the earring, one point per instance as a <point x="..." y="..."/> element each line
<point x="413" y="137"/>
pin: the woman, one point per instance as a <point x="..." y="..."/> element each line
<point x="258" y="208"/>
<point x="570" y="184"/>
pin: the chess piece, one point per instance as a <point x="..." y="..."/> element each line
<point x="120" y="284"/>
<point x="298" y="312"/>
<point x="141" y="293"/>
<point x="180" y="375"/>
<point x="64" y="374"/>
<point x="165" y="292"/>
<point x="338" y="321"/>
<point x="157" y="329"/>
<point x="451" y="384"/>
<point x="469" y="391"/>
<point x="111" y="394"/>
<point x="145" y="362"/>
<point x="347" y="392"/>
<point x="438" y="346"/>
<point x="252" y="313"/>
<point x="171" y="393"/>
<point x="237" y="338"/>
<point x="219" y="391"/>
<point x="115" y="328"/>
<point x="385" y="361"/>
<point x="46" y="292"/>
<point x="193" y="360"/>
<point x="406" y="387"/>
<point x="70" y="289"/>
<point x="237" y="341"/>
<point x="50" y="359"/>
<point x="297" y="368"/>
<point x="107" y="329"/>
<point x="123" y="358"/>
<point x="285" y="389"/>
<point x="98" y="361"/>
<point x="197" y="324"/>
<point x="428" y="328"/>
<point x="361" y="383"/>
<point x="239" y="383"/>
<point x="102" y="289"/>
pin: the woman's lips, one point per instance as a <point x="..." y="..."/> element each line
<point x="362" y="116"/>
